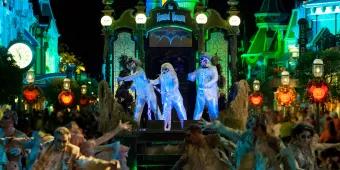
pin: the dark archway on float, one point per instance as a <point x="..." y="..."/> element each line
<point x="178" y="47"/>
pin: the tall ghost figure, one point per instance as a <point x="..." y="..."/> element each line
<point x="171" y="96"/>
<point x="206" y="77"/>
<point x="144" y="91"/>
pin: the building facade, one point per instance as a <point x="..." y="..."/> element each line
<point x="32" y="22"/>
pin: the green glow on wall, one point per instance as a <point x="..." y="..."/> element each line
<point x="218" y="45"/>
<point x="124" y="45"/>
<point x="252" y="59"/>
<point x="187" y="4"/>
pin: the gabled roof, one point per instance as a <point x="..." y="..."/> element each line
<point x="265" y="44"/>
<point x="321" y="2"/>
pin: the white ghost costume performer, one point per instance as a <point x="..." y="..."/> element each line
<point x="207" y="90"/>
<point x="171" y="96"/>
<point x="144" y="94"/>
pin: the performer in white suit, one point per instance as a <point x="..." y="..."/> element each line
<point x="207" y="90"/>
<point x="171" y="96"/>
<point x="144" y="91"/>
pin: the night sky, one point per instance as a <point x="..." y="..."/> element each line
<point x="79" y="26"/>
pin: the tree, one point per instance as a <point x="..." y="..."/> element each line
<point x="11" y="77"/>
<point x="69" y="58"/>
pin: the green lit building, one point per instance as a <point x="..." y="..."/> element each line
<point x="280" y="40"/>
<point x="31" y="22"/>
<point x="268" y="46"/>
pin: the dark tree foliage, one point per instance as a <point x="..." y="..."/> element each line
<point x="11" y="77"/>
<point x="331" y="60"/>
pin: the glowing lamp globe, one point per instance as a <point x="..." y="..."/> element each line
<point x="106" y="21"/>
<point x="140" y="18"/>
<point x="256" y="85"/>
<point x="318" y="68"/>
<point x="285" y="78"/>
<point x="318" y="91"/>
<point x="201" y="18"/>
<point x="66" y="98"/>
<point x="31" y="94"/>
<point x="30" y="77"/>
<point x="285" y="95"/>
<point x="256" y="99"/>
<point x="284" y="98"/>
<point x="67" y="84"/>
<point x="83" y="89"/>
<point x="234" y="21"/>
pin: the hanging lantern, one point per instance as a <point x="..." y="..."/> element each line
<point x="256" y="85"/>
<point x="67" y="84"/>
<point x="31" y="94"/>
<point x="30" y="77"/>
<point x="285" y="78"/>
<point x="317" y="91"/>
<point x="66" y="98"/>
<point x="256" y="99"/>
<point x="285" y="96"/>
<point x="83" y="89"/>
<point x="318" y="68"/>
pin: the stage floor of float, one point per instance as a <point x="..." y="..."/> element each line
<point x="152" y="148"/>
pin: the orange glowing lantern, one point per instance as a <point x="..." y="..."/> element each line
<point x="317" y="91"/>
<point x="31" y="94"/>
<point x="66" y="98"/>
<point x="256" y="99"/>
<point x="285" y="96"/>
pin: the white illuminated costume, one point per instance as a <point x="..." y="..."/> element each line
<point x="144" y="91"/>
<point x="207" y="90"/>
<point x="171" y="96"/>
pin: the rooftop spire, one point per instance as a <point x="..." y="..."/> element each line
<point x="272" y="6"/>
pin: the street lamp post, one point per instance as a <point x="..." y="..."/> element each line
<point x="83" y="89"/>
<point x="140" y="20"/>
<point x="106" y="21"/>
<point x="30" y="77"/>
<point x="318" y="69"/>
<point x="66" y="96"/>
<point x="285" y="95"/>
<point x="67" y="84"/>
<point x="256" y="98"/>
<point x="285" y="79"/>
<point x="256" y="85"/>
<point x="201" y="20"/>
<point x="234" y="21"/>
<point x="30" y="93"/>
<point x="84" y="100"/>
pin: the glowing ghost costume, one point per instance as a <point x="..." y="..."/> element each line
<point x="207" y="90"/>
<point x="144" y="93"/>
<point x="171" y="96"/>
